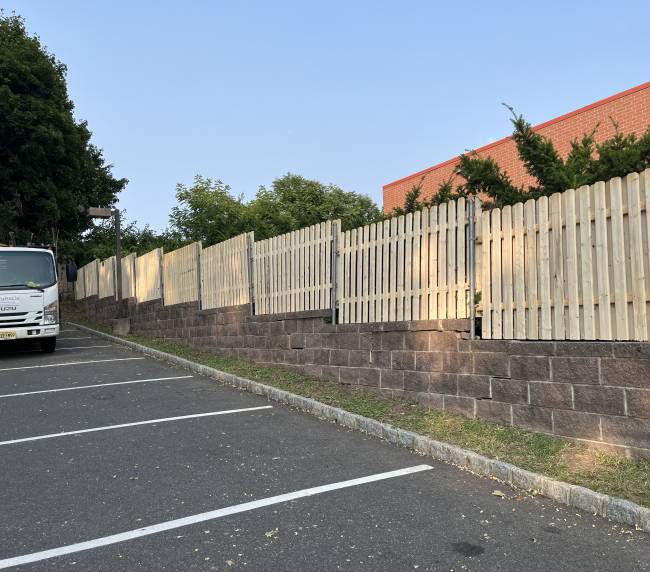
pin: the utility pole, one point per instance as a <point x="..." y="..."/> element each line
<point x="118" y="253"/>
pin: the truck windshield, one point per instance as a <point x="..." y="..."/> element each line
<point x="20" y="269"/>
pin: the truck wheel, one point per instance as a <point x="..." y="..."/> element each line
<point x="48" y="345"/>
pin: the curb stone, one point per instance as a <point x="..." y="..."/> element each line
<point x="615" y="509"/>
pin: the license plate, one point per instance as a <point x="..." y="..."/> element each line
<point x="7" y="335"/>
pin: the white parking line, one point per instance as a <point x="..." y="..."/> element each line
<point x="94" y="386"/>
<point x="134" y="424"/>
<point x="70" y="363"/>
<point x="204" y="516"/>
<point x="86" y="347"/>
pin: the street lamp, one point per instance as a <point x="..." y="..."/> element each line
<point x="106" y="213"/>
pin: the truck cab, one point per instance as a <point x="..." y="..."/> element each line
<point x="29" y="296"/>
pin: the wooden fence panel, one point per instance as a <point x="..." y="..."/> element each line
<point x="412" y="267"/>
<point x="79" y="292"/>
<point x="91" y="278"/>
<point x="224" y="273"/>
<point x="148" y="280"/>
<point x="107" y="278"/>
<point x="180" y="274"/>
<point x="580" y="264"/>
<point x="292" y="272"/>
<point x="128" y="276"/>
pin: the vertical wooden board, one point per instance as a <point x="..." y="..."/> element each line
<point x="343" y="278"/>
<point x="393" y="269"/>
<point x="462" y="306"/>
<point x="602" y="262"/>
<point x="452" y="284"/>
<point x="640" y="331"/>
<point x="359" y="288"/>
<point x="433" y="262"/>
<point x="408" y="259"/>
<point x="353" y="275"/>
<point x="324" y="264"/>
<point x="416" y="263"/>
<point x="424" y="265"/>
<point x="365" y="270"/>
<point x="385" y="271"/>
<point x="401" y="239"/>
<point x="486" y="281"/>
<point x="496" y="273"/>
<point x="519" y="273"/>
<point x="557" y="266"/>
<point x="586" y="266"/>
<point x="573" y="315"/>
<point x="544" y="261"/>
<point x="506" y="273"/>
<point x="532" y="293"/>
<point x="645" y="197"/>
<point x="442" y="262"/>
<point x="372" y="273"/>
<point x="618" y="259"/>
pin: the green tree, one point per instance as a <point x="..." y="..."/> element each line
<point x="295" y="202"/>
<point x="208" y="211"/>
<point x="99" y="241"/>
<point x="48" y="165"/>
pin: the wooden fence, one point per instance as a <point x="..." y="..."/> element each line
<point x="293" y="272"/>
<point x="148" y="269"/>
<point x="180" y="274"/>
<point x="225" y="277"/>
<point x="571" y="266"/>
<point x="128" y="276"/>
<point x="575" y="265"/>
<point x="106" y="287"/>
<point x="411" y="267"/>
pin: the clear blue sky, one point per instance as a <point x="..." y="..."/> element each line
<point x="357" y="93"/>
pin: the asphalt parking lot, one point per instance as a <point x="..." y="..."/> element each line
<point x="113" y="461"/>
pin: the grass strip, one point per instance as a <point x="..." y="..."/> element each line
<point x="552" y="456"/>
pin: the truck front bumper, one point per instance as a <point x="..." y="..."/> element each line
<point x="29" y="332"/>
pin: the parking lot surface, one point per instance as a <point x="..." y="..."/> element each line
<point x="113" y="461"/>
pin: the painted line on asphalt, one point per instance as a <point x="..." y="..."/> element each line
<point x="69" y="363"/>
<point x="94" y="386"/>
<point x="86" y="347"/>
<point x="205" y="516"/>
<point x="133" y="424"/>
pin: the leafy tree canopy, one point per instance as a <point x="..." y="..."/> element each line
<point x="48" y="165"/>
<point x="208" y="211"/>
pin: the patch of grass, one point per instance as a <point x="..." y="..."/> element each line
<point x="555" y="457"/>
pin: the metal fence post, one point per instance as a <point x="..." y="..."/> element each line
<point x="334" y="268"/>
<point x="472" y="268"/>
<point x="250" y="253"/>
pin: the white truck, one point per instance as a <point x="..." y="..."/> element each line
<point x="29" y="296"/>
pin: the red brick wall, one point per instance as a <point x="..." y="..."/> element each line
<point x="631" y="109"/>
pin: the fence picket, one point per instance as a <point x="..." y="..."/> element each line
<point x="545" y="329"/>
<point x="497" y="310"/>
<point x="506" y="272"/>
<point x="530" y="218"/>
<point x="573" y="316"/>
<point x="557" y="266"/>
<point x="518" y="268"/>
<point x="636" y="257"/>
<point x="486" y="280"/>
<point x="618" y="259"/>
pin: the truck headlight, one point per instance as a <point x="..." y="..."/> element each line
<point x="51" y="313"/>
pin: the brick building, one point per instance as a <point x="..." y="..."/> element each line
<point x="630" y="109"/>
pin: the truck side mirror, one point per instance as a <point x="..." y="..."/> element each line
<point x="71" y="272"/>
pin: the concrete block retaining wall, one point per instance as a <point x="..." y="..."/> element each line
<point x="594" y="391"/>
